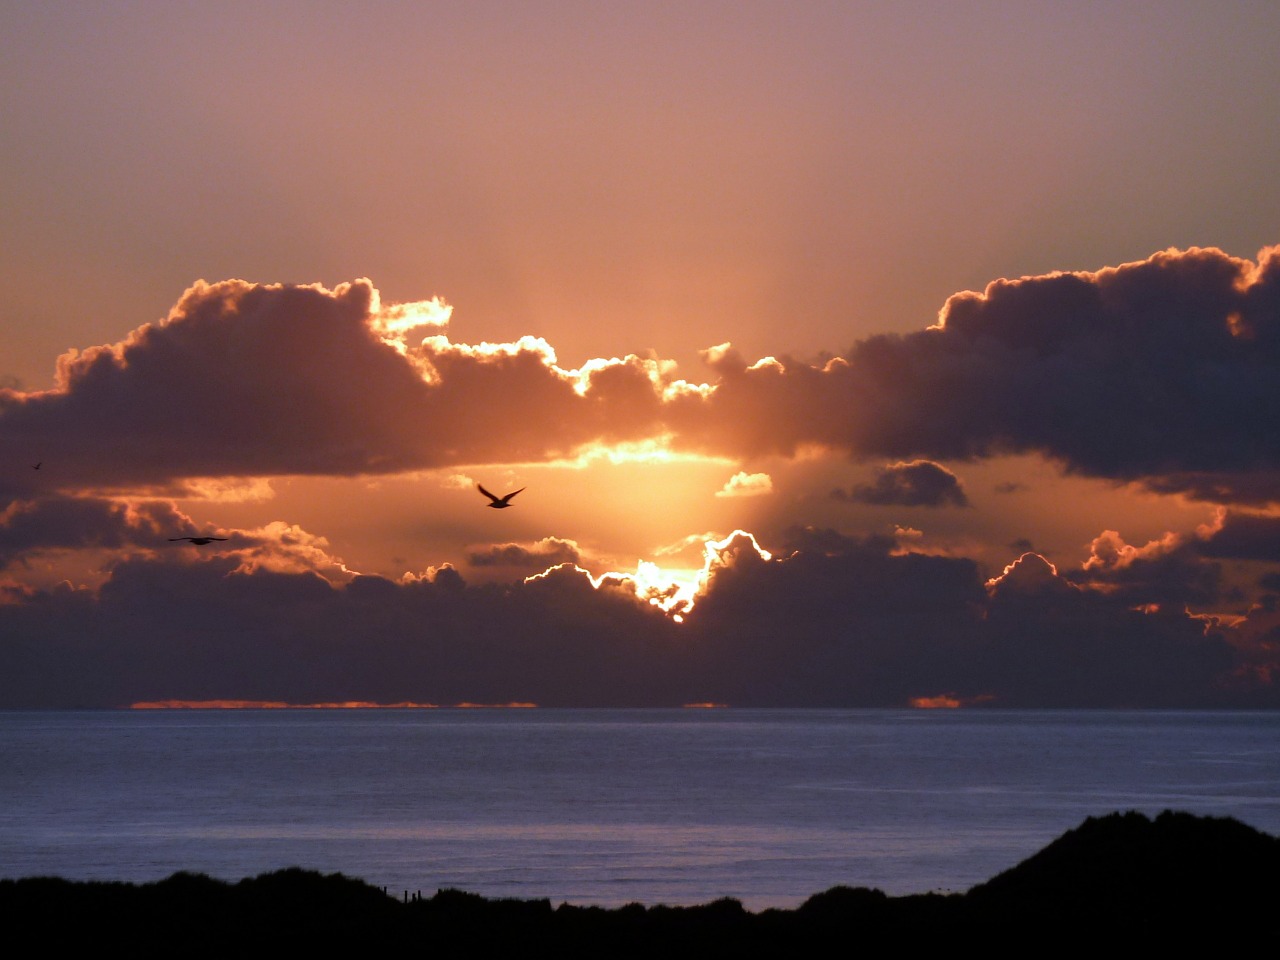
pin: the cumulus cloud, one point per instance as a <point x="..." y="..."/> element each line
<point x="1161" y="371"/>
<point x="74" y="523"/>
<point x="257" y="380"/>
<point x="1164" y="572"/>
<point x="918" y="483"/>
<point x="548" y="552"/>
<point x="744" y="484"/>
<point x="1029" y="575"/>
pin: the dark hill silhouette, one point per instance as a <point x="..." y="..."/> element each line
<point x="1119" y="881"/>
<point x="1128" y="857"/>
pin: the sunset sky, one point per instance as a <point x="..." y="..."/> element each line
<point x="847" y="353"/>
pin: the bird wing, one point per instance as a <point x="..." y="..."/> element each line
<point x="508" y="497"/>
<point x="487" y="493"/>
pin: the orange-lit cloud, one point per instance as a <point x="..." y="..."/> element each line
<point x="947" y="701"/>
<point x="274" y="705"/>
<point x="943" y="701"/>
<point x="744" y="484"/>
<point x="548" y="552"/>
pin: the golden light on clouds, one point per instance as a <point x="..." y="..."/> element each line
<point x="744" y="484"/>
<point x="394" y="322"/>
<point x="948" y="701"/>
<point x="324" y="705"/>
<point x="228" y="489"/>
<point x="653" y="450"/>
<point x="675" y="591"/>
<point x="276" y="705"/>
<point x="941" y="702"/>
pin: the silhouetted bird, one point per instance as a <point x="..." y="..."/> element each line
<point x="37" y="466"/>
<point x="497" y="502"/>
<point x="198" y="541"/>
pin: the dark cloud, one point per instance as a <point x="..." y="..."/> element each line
<point x="1163" y="371"/>
<point x="252" y="380"/>
<point x="548" y="552"/>
<point x="31" y="529"/>
<point x="1244" y="536"/>
<point x="1169" y="572"/>
<point x="1057" y="644"/>
<point x="830" y="621"/>
<point x="919" y="483"/>
<point x="65" y="523"/>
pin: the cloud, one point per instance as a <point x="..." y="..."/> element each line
<point x="258" y="380"/>
<point x="1029" y="575"/>
<point x="77" y="523"/>
<point x="919" y="483"/>
<point x="1242" y="536"/>
<point x="828" y="620"/>
<point x="1162" y="372"/>
<point x="128" y="529"/>
<point x="548" y="552"/>
<point x="1148" y="370"/>
<point x="747" y="485"/>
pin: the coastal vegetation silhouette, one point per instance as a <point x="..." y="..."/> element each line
<point x="1123" y="879"/>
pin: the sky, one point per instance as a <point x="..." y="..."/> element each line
<point x="843" y="354"/>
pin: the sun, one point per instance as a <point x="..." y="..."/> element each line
<point x="673" y="590"/>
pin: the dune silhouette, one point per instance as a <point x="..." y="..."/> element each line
<point x="1123" y="881"/>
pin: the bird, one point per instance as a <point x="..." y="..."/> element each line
<point x="198" y="541"/>
<point x="497" y="503"/>
<point x="37" y="466"/>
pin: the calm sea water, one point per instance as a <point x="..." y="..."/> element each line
<point x="606" y="806"/>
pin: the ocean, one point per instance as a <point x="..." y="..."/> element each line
<point x="606" y="806"/>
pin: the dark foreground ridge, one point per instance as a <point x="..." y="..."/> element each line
<point x="1118" y="880"/>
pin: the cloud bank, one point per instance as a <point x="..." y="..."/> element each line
<point x="1162" y="371"/>
<point x="833" y="621"/>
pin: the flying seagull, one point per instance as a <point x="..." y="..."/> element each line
<point x="497" y="503"/>
<point x="198" y="541"/>
<point x="37" y="466"/>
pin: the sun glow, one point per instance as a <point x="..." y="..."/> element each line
<point x="650" y="450"/>
<point x="675" y="591"/>
<point x="394" y="322"/>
